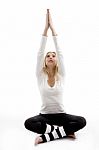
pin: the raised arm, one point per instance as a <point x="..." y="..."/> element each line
<point x="60" y="57"/>
<point x="58" y="50"/>
<point x="40" y="54"/>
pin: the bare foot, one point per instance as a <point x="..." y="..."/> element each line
<point x="38" y="140"/>
<point x="71" y="136"/>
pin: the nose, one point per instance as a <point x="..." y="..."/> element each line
<point x="50" y="57"/>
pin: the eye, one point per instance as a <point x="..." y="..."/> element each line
<point x="48" y="56"/>
<point x="53" y="55"/>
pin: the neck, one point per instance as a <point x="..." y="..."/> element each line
<point x="51" y="72"/>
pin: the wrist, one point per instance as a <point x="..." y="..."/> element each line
<point x="53" y="32"/>
<point x="45" y="31"/>
<point x="46" y="28"/>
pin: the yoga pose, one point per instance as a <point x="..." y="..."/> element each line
<point x="52" y="122"/>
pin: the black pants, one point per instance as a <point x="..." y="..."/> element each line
<point x="71" y="123"/>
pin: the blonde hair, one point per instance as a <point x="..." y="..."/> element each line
<point x="55" y="69"/>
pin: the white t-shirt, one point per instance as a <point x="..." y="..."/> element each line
<point x="51" y="96"/>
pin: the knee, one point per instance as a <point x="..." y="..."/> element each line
<point x="32" y="125"/>
<point x="27" y="124"/>
<point x="82" y="122"/>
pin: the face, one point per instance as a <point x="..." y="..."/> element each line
<point x="51" y="59"/>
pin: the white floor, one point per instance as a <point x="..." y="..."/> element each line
<point x="21" y="26"/>
<point x="13" y="136"/>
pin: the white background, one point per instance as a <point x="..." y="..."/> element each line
<point x="21" y="26"/>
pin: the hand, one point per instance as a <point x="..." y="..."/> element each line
<point x="51" y="24"/>
<point x="50" y="20"/>
<point x="46" y="24"/>
<point x="47" y="19"/>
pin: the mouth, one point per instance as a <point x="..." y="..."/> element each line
<point x="50" y="61"/>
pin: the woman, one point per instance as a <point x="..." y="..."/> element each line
<point x="52" y="122"/>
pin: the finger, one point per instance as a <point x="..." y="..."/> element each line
<point x="47" y="10"/>
<point x="46" y="16"/>
<point x="49" y="15"/>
